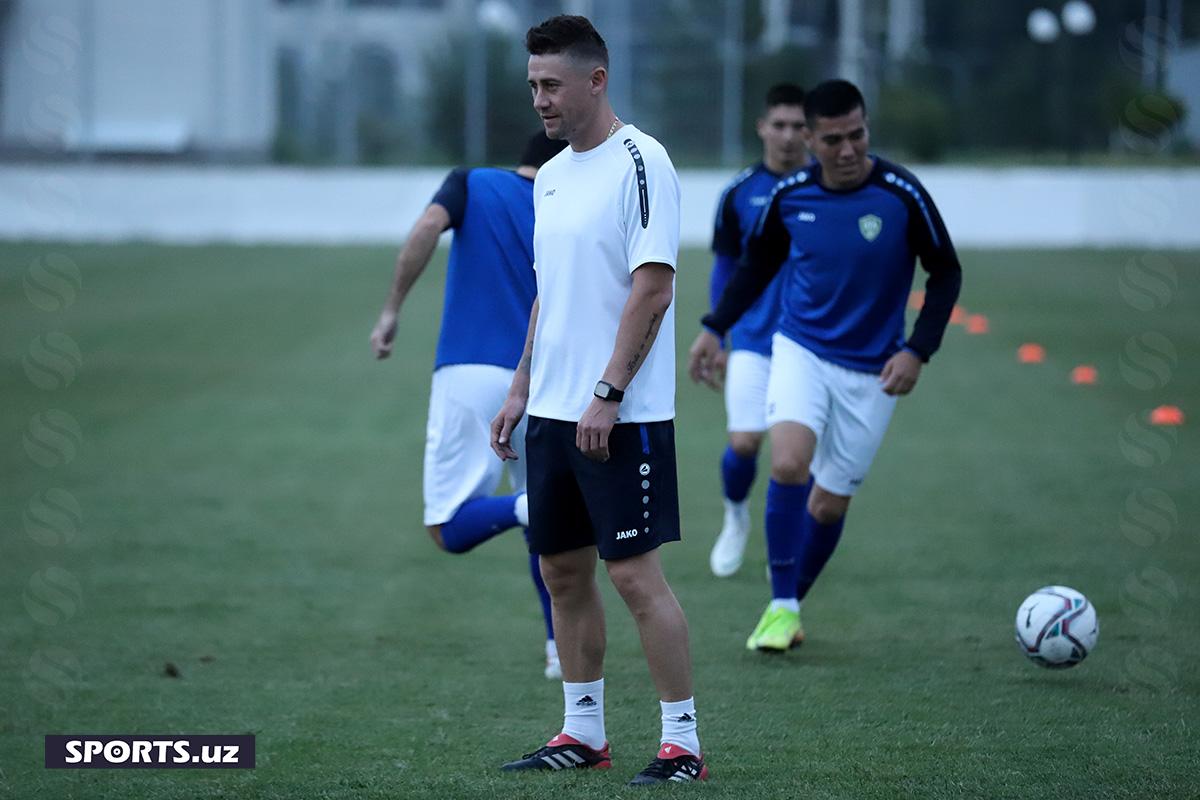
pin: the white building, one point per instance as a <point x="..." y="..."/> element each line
<point x="208" y="76"/>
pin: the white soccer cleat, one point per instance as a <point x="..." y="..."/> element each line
<point x="553" y="668"/>
<point x="730" y="547"/>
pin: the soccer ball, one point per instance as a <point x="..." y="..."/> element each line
<point x="1056" y="627"/>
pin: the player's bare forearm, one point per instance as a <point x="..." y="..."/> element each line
<point x="513" y="409"/>
<point x="641" y="318"/>
<point x="418" y="249"/>
<point x="520" y="383"/>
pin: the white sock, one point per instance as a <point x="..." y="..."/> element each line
<point x="583" y="717"/>
<point x="791" y="604"/>
<point x="551" y="650"/>
<point x="731" y="506"/>
<point x="521" y="509"/>
<point x="679" y="725"/>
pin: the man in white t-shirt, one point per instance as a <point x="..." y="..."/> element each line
<point x="598" y="382"/>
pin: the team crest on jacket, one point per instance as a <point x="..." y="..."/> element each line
<point x="869" y="226"/>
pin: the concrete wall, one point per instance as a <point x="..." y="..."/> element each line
<point x="982" y="207"/>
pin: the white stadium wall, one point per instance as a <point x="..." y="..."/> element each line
<point x="1019" y="207"/>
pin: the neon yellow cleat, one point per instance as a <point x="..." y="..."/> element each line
<point x="777" y="631"/>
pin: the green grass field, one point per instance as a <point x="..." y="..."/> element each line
<point x="241" y="498"/>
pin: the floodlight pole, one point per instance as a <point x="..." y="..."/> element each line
<point x="733" y="67"/>
<point x="475" y="94"/>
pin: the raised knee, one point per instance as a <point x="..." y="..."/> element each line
<point x="745" y="445"/>
<point x="827" y="509"/>
<point x="435" y="533"/>
<point x="788" y="468"/>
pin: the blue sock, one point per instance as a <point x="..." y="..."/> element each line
<point x="737" y="474"/>
<point x="786" y="505"/>
<point x="535" y="572"/>
<point x="815" y="549"/>
<point x="478" y="520"/>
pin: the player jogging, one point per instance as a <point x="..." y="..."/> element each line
<point x="598" y="379"/>
<point x="748" y="360"/>
<point x="845" y="232"/>
<point x="490" y="287"/>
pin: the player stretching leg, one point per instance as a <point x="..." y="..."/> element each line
<point x="749" y="359"/>
<point x="846" y="233"/>
<point x="490" y="286"/>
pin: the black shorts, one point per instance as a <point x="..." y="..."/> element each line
<point x="625" y="506"/>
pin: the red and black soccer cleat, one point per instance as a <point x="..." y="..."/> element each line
<point x="672" y="764"/>
<point x="563" y="752"/>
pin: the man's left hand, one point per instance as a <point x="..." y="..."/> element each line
<point x="900" y="373"/>
<point x="591" y="434"/>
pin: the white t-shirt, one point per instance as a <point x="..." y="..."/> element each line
<point x="600" y="215"/>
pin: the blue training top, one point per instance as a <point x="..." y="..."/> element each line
<point x="490" y="282"/>
<point x="738" y="210"/>
<point x="848" y="259"/>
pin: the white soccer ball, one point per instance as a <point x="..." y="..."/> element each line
<point x="1057" y="627"/>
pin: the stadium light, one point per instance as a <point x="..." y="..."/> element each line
<point x="1042" y="25"/>
<point x="1078" y="17"/>
<point x="497" y="16"/>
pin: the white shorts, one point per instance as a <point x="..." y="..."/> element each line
<point x="848" y="411"/>
<point x="746" y="374"/>
<point x="459" y="462"/>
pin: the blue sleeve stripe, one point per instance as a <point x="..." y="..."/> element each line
<point x="916" y="194"/>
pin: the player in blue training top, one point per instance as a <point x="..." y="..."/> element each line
<point x="747" y="362"/>
<point x="490" y="287"/>
<point x="846" y="233"/>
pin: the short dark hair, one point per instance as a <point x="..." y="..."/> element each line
<point x="784" y="94"/>
<point x="568" y="34"/>
<point x="540" y="149"/>
<point x="833" y="98"/>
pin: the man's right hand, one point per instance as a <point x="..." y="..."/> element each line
<point x="702" y="360"/>
<point x="503" y="426"/>
<point x="383" y="334"/>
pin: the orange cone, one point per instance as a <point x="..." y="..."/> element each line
<point x="916" y="299"/>
<point x="1166" y="415"/>
<point x="977" y="323"/>
<point x="958" y="316"/>
<point x="1030" y="353"/>
<point x="1084" y="375"/>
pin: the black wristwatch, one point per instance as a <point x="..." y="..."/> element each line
<point x="606" y="391"/>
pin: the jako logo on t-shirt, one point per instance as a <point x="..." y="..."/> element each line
<point x="549" y="192"/>
<point x="627" y="534"/>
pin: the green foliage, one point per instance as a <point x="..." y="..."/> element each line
<point x="789" y="65"/>
<point x="913" y="120"/>
<point x="510" y="115"/>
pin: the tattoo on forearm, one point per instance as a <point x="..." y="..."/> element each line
<point x="526" y="362"/>
<point x="636" y="360"/>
